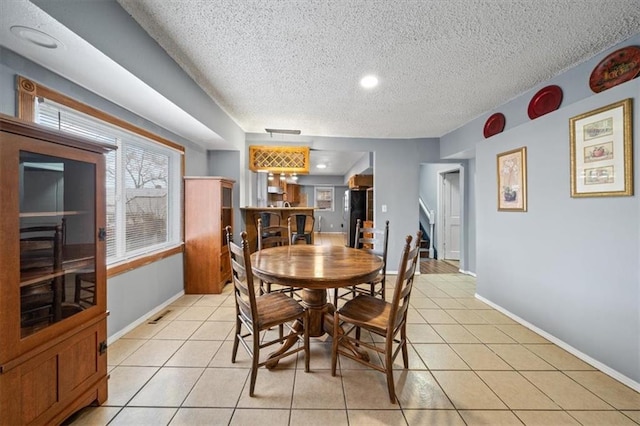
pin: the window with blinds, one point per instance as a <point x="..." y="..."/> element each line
<point x="324" y="198"/>
<point x="142" y="183"/>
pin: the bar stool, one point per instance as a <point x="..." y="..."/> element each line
<point x="301" y="232"/>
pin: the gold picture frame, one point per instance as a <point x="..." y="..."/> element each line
<point x="512" y="180"/>
<point x="601" y="152"/>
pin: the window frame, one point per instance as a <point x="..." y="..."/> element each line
<point x="324" y="189"/>
<point x="29" y="91"/>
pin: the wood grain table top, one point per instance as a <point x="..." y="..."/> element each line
<point x="315" y="266"/>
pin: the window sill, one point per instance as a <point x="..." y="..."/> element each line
<point x="131" y="264"/>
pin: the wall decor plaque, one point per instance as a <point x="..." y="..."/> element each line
<point x="618" y="67"/>
<point x="494" y="125"/>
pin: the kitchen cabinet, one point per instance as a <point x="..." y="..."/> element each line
<point x="360" y="181"/>
<point x="292" y="193"/>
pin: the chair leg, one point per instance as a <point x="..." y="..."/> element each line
<point x="388" y="366"/>
<point x="405" y="353"/>
<point x="281" y="331"/>
<point x="307" y="350"/>
<point x="236" y="340"/>
<point x="76" y="296"/>
<point x="254" y="362"/>
<point x="389" y="369"/>
<point x="334" y="346"/>
<point x="358" y="332"/>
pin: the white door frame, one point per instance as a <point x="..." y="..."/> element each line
<point x="440" y="209"/>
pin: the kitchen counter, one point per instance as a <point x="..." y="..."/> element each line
<point x="250" y="214"/>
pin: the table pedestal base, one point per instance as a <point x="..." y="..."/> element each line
<point x="320" y="322"/>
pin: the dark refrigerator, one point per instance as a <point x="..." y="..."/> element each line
<point x="355" y="207"/>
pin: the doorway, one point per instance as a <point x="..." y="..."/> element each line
<point x="449" y="219"/>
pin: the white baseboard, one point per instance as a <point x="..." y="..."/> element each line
<point x="473" y="274"/>
<point x="143" y="318"/>
<point x="584" y="357"/>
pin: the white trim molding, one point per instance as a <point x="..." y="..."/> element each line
<point x="584" y="357"/>
<point x="143" y="318"/>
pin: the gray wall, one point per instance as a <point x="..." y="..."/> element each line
<point x="569" y="265"/>
<point x="226" y="163"/>
<point x="331" y="220"/>
<point x="469" y="237"/>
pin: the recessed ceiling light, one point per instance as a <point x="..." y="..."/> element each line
<point x="321" y="166"/>
<point x="35" y="37"/>
<point x="369" y="81"/>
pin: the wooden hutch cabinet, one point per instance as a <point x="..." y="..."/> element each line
<point x="208" y="210"/>
<point x="53" y="358"/>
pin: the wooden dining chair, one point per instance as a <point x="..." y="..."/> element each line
<point x="41" y="251"/>
<point x="374" y="241"/>
<point x="258" y="313"/>
<point x="268" y="219"/>
<point x="274" y="236"/>
<point x="386" y="319"/>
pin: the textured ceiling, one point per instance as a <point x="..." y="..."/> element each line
<point x="297" y="64"/>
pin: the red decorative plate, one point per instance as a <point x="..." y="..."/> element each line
<point x="546" y="100"/>
<point x="494" y="125"/>
<point x="620" y="66"/>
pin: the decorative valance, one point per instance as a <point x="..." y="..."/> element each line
<point x="279" y="159"/>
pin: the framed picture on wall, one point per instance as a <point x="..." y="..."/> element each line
<point x="512" y="180"/>
<point x="602" y="152"/>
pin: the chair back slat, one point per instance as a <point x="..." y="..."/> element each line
<point x="404" y="282"/>
<point x="41" y="247"/>
<point x="243" y="284"/>
<point x="274" y="235"/>
<point x="374" y="241"/>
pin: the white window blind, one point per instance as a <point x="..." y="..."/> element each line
<point x="324" y="198"/>
<point x="143" y="183"/>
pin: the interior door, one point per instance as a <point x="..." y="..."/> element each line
<point x="451" y="198"/>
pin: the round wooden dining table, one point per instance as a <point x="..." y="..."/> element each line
<point x="315" y="269"/>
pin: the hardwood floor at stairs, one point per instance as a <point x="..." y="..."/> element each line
<point x="435" y="266"/>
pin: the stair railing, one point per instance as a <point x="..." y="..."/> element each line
<point x="431" y="217"/>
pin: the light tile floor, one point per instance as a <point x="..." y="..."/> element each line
<point x="469" y="364"/>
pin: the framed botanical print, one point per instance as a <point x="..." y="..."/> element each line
<point x="512" y="180"/>
<point x="602" y="152"/>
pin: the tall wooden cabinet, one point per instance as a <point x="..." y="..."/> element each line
<point x="208" y="209"/>
<point x="53" y="357"/>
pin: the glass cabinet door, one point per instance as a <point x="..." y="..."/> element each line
<point x="227" y="211"/>
<point x="57" y="239"/>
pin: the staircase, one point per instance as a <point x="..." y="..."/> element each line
<point x="425" y="244"/>
<point x="426" y="249"/>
